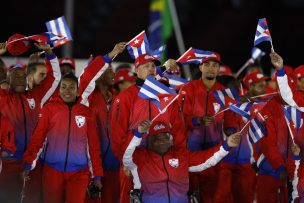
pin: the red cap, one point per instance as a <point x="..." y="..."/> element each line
<point x="254" y="77"/>
<point x="17" y="65"/>
<point x="225" y="70"/>
<point x="299" y="71"/>
<point x="124" y="74"/>
<point x="215" y="57"/>
<point x="68" y="61"/>
<point x="145" y="58"/>
<point x="17" y="47"/>
<point x="159" y="127"/>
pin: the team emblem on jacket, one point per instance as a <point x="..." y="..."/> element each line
<point x="80" y="121"/>
<point x="173" y="163"/>
<point x="216" y="107"/>
<point x="31" y="103"/>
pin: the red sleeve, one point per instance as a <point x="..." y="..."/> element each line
<point x="231" y="120"/>
<point x="7" y="136"/>
<point x="94" y="147"/>
<point x="268" y="143"/>
<point x="178" y="126"/>
<point x="121" y="135"/>
<point x="88" y="77"/>
<point x="38" y="137"/>
<point x="48" y="86"/>
<point x="186" y="104"/>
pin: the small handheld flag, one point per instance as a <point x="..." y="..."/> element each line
<point x="256" y="128"/>
<point x="158" y="52"/>
<point x="262" y="33"/>
<point x="59" y="27"/>
<point x="194" y="56"/>
<point x="138" y="45"/>
<point x="226" y="97"/>
<point x="175" y="81"/>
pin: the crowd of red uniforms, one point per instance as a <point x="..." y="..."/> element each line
<point x="232" y="180"/>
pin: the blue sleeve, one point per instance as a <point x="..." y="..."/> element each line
<point x="226" y="147"/>
<point x="281" y="72"/>
<point x="137" y="134"/>
<point x="107" y="59"/>
<point x="50" y="56"/>
<point x="194" y="122"/>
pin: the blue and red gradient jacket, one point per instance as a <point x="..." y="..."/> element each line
<point x="22" y="109"/>
<point x="102" y="111"/>
<point x="69" y="132"/>
<point x="276" y="145"/>
<point x="7" y="142"/>
<point x="196" y="101"/>
<point x="129" y="110"/>
<point x="165" y="178"/>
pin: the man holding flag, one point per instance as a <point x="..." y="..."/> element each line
<point x="204" y="131"/>
<point x="129" y="109"/>
<point x="237" y="176"/>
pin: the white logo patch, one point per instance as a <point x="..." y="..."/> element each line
<point x="259" y="75"/>
<point x="80" y="121"/>
<point x="173" y="163"/>
<point x="159" y="127"/>
<point x="216" y="107"/>
<point x="31" y="103"/>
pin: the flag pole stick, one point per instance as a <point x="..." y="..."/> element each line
<point x="220" y="112"/>
<point x="165" y="109"/>
<point x="178" y="35"/>
<point x="242" y="90"/>
<point x="245" y="126"/>
<point x="243" y="68"/>
<point x="290" y="132"/>
<point x="262" y="95"/>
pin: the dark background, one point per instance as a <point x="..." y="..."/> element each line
<point x="225" y="26"/>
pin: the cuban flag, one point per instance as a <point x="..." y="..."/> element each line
<point x="46" y="38"/>
<point x="138" y="45"/>
<point x="158" y="53"/>
<point x="226" y="97"/>
<point x="293" y="118"/>
<point x="59" y="27"/>
<point x="256" y="128"/>
<point x="194" y="56"/>
<point x="262" y="33"/>
<point x="158" y="93"/>
<point x="175" y="81"/>
<point x="247" y="110"/>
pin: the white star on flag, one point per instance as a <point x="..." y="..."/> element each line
<point x="166" y="99"/>
<point x="136" y="41"/>
<point x="255" y="110"/>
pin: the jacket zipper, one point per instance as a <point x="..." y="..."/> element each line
<point x="206" y="113"/>
<point x="107" y="130"/>
<point x="167" y="183"/>
<point x="68" y="142"/>
<point x="24" y="123"/>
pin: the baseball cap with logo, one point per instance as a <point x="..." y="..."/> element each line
<point x="124" y="75"/>
<point x="67" y="61"/>
<point x="214" y="57"/>
<point x="17" y="44"/>
<point x="145" y="58"/>
<point x="159" y="127"/>
<point x="254" y="77"/>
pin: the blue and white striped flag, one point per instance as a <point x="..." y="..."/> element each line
<point x="294" y="118"/>
<point x="226" y="97"/>
<point x="59" y="27"/>
<point x="154" y="91"/>
<point x="139" y="45"/>
<point x="158" y="53"/>
<point x="256" y="128"/>
<point x="175" y="81"/>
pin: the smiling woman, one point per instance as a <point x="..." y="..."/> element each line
<point x="68" y="88"/>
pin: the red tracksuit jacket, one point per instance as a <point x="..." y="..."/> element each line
<point x="70" y="136"/>
<point x="6" y="136"/>
<point x="197" y="101"/>
<point x="166" y="178"/>
<point x="129" y="110"/>
<point x="276" y="145"/>
<point x="22" y="109"/>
